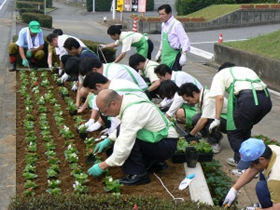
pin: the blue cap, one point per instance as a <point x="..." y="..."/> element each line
<point x="250" y="150"/>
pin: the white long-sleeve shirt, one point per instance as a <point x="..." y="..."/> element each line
<point x="134" y="118"/>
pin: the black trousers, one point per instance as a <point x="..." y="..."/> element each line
<point x="143" y="153"/>
<point x="215" y="135"/>
<point x="150" y="50"/>
<point x="245" y="115"/>
<point x="176" y="66"/>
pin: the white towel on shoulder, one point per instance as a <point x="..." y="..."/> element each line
<point x="29" y="40"/>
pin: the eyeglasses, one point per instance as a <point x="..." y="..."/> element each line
<point x="104" y="112"/>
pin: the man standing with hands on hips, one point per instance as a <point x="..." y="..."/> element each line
<point x="175" y="42"/>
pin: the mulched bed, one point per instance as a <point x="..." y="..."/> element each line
<point x="171" y="177"/>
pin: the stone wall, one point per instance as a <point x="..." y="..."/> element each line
<point x="239" y="18"/>
<point x="268" y="69"/>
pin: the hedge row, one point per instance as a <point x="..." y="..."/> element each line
<point x="109" y="53"/>
<point x="44" y="20"/>
<point x="107" y="202"/>
<point x="34" y="4"/>
<point x="30" y="10"/>
<point x="185" y="7"/>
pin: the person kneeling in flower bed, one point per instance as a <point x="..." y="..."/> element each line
<point x="145" y="141"/>
<point x="256" y="157"/>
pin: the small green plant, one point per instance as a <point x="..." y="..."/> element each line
<point x="72" y="107"/>
<point x="112" y="185"/>
<point x="54" y="183"/>
<point x="30" y="184"/>
<point x="182" y="145"/>
<point x="267" y="140"/>
<point x="201" y="146"/>
<point x="83" y="129"/>
<point x="217" y="181"/>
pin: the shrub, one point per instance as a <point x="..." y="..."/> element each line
<point x="30" y="10"/>
<point x="89" y="5"/>
<point x="150" y="5"/>
<point x="20" y="4"/>
<point x="62" y="202"/>
<point x="101" y="5"/>
<point x="49" y="3"/>
<point x="44" y="20"/>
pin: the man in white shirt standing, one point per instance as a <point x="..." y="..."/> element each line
<point x="248" y="103"/>
<point x="175" y="42"/>
<point x="144" y="138"/>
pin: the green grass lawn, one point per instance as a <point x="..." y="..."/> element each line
<point x="215" y="11"/>
<point x="265" y="45"/>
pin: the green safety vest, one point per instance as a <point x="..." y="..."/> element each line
<point x="232" y="98"/>
<point x="146" y="135"/>
<point x="142" y="46"/>
<point x="168" y="53"/>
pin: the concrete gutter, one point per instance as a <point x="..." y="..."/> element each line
<point x="198" y="187"/>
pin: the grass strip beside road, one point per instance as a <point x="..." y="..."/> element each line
<point x="215" y="11"/>
<point x="265" y="45"/>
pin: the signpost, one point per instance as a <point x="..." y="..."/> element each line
<point x="142" y="6"/>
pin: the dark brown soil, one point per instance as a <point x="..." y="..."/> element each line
<point x="171" y="177"/>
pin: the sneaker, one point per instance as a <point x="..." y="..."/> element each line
<point x="238" y="172"/>
<point x="216" y="148"/>
<point x="255" y="205"/>
<point x="232" y="162"/>
<point x="12" y="67"/>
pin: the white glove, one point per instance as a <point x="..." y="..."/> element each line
<point x="89" y="123"/>
<point x="230" y="196"/>
<point x="101" y="46"/>
<point x="74" y="87"/>
<point x="94" y="127"/>
<point x="64" y="77"/>
<point x="60" y="71"/>
<point x="214" y="124"/>
<point x="158" y="55"/>
<point x="183" y="60"/>
<point x="50" y="67"/>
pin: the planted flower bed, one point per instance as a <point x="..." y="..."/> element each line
<point x="51" y="156"/>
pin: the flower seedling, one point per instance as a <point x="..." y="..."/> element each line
<point x="30" y="117"/>
<point x="49" y="95"/>
<point x="42" y="109"/>
<point x="66" y="133"/>
<point x="35" y="90"/>
<point x="30" y="168"/>
<point x="79" y="188"/>
<point x="63" y="90"/>
<point x="28" y="125"/>
<point x="30" y="184"/>
<point x="31" y="158"/>
<point x="76" y="170"/>
<point x="112" y="185"/>
<point x="54" y="183"/>
<point x="41" y="101"/>
<point x="51" y="173"/>
<point x="49" y="146"/>
<point x="53" y="160"/>
<point x="30" y="139"/>
<point x="53" y="101"/>
<point x="182" y="144"/>
<point x="45" y="82"/>
<point x="81" y="177"/>
<point x="43" y="117"/>
<point x="72" y="158"/>
<point x="55" y="167"/>
<point x="29" y="175"/>
<point x="32" y="147"/>
<point x="83" y="128"/>
<point x="29" y="192"/>
<point x="72" y="107"/>
<point x="28" y="109"/>
<point x="50" y="153"/>
<point x="201" y="146"/>
<point x="54" y="191"/>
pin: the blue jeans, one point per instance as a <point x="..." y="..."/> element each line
<point x="263" y="192"/>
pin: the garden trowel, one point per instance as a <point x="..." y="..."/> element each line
<point x="91" y="159"/>
<point x="185" y="183"/>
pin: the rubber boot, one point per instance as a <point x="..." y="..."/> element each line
<point x="13" y="62"/>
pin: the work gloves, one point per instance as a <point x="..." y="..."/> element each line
<point x="94" y="127"/>
<point x="101" y="46"/>
<point x="60" y="71"/>
<point x="232" y="193"/>
<point x="95" y="170"/>
<point x="74" y="87"/>
<point x="158" y="55"/>
<point x="25" y="63"/>
<point x="183" y="60"/>
<point x="214" y="124"/>
<point x="64" y="77"/>
<point x="89" y="123"/>
<point x="102" y="145"/>
<point x="28" y="54"/>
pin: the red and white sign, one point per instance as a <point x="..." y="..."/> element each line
<point x="142" y="6"/>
